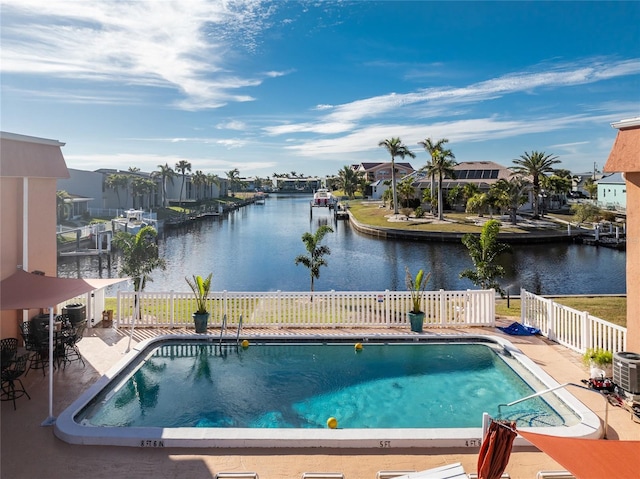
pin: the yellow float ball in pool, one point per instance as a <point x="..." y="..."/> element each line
<point x="332" y="422"/>
<point x="245" y="343"/>
<point x="358" y="347"/>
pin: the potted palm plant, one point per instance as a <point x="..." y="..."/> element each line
<point x="416" y="287"/>
<point x="200" y="287"/>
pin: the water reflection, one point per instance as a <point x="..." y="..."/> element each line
<point x="253" y="249"/>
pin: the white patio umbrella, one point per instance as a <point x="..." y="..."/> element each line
<point x="23" y="290"/>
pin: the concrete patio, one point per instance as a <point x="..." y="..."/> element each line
<point x="29" y="450"/>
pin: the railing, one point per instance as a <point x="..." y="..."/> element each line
<point x="576" y="330"/>
<point x="330" y="309"/>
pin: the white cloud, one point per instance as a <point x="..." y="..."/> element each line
<point x="366" y="139"/>
<point x="346" y="117"/>
<point x="168" y="43"/>
<point x="232" y="125"/>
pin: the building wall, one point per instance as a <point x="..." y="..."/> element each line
<point x="87" y="184"/>
<point x="42" y="236"/>
<point x="633" y="261"/>
<point x="29" y="168"/>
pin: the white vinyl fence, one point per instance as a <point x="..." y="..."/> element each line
<point x="576" y="330"/>
<point x="330" y="309"/>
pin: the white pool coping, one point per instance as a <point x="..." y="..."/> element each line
<point x="67" y="429"/>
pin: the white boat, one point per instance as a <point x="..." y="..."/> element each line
<point x="132" y="221"/>
<point x="323" y="198"/>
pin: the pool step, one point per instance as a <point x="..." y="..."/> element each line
<point x="391" y="474"/>
<point x="322" y="475"/>
<point x="236" y="475"/>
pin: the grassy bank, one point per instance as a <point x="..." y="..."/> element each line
<point x="370" y="213"/>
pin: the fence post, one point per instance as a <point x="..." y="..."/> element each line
<point x="586" y="332"/>
<point x="278" y="308"/>
<point x="172" y="305"/>
<point x="387" y="312"/>
<point x="492" y="307"/>
<point x="523" y="307"/>
<point x="551" y="319"/>
<point x="443" y="308"/>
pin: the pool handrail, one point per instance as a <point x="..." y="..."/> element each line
<point x="561" y="386"/>
<point x="223" y="327"/>
<point x="238" y="332"/>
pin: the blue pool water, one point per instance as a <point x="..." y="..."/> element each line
<point x="421" y="385"/>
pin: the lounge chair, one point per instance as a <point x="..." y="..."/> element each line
<point x="449" y="471"/>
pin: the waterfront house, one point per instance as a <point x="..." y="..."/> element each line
<point x="612" y="192"/>
<point x="380" y="172"/>
<point x="625" y="158"/>
<point x="29" y="169"/>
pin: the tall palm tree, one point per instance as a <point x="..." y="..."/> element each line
<point x="116" y="182"/>
<point x="315" y="259"/>
<point x="442" y="163"/>
<point x="164" y="172"/>
<point x="535" y="164"/>
<point x="395" y="148"/>
<point x="182" y="167"/>
<point x="233" y="176"/>
<point x="198" y="181"/>
<point x="212" y="179"/>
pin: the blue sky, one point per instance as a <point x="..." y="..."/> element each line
<point x="310" y="86"/>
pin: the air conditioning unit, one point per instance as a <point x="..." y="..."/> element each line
<point x="626" y="371"/>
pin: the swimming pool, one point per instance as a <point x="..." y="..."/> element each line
<point x="397" y="391"/>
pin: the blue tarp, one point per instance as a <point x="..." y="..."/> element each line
<point x="517" y="329"/>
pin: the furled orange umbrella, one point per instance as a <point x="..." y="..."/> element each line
<point x="496" y="449"/>
<point x="590" y="458"/>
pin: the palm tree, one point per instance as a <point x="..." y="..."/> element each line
<point x="406" y="190"/>
<point x="478" y="203"/>
<point x="198" y="181"/>
<point x="182" y="167"/>
<point x="511" y="195"/>
<point x="395" y="148"/>
<point x="233" y="176"/>
<point x="140" y="257"/>
<point x="484" y="250"/>
<point x="315" y="258"/>
<point x="212" y="180"/>
<point x="349" y="180"/>
<point x="115" y="182"/>
<point x="535" y="164"/>
<point x="62" y="205"/>
<point x="164" y="172"/>
<point x="442" y="163"/>
<point x="591" y="187"/>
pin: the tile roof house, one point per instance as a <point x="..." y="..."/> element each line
<point x="382" y="171"/>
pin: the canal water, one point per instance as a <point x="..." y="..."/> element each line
<point x="254" y="248"/>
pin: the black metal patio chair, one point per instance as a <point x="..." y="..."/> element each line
<point x="8" y="351"/>
<point x="37" y="346"/>
<point x="10" y="376"/>
<point x="72" y="352"/>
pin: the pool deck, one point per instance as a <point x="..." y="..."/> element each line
<point x="29" y="450"/>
